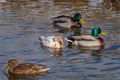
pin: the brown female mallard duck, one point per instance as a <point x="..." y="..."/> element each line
<point x="68" y="22"/>
<point x="14" y="67"/>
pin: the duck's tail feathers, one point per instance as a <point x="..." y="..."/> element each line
<point x="46" y="69"/>
<point x="70" y="39"/>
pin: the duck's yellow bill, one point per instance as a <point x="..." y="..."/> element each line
<point x="103" y="33"/>
<point x="82" y="21"/>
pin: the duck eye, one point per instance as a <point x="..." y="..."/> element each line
<point x="54" y="39"/>
<point x="99" y="30"/>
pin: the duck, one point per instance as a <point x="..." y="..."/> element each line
<point x="64" y="21"/>
<point x="93" y="40"/>
<point x="54" y="41"/>
<point x="14" y="67"/>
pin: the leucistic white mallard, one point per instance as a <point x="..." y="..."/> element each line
<point x="14" y="67"/>
<point x="64" y="21"/>
<point x="52" y="41"/>
<point x="87" y="40"/>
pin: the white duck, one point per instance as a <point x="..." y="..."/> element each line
<point x="52" y="41"/>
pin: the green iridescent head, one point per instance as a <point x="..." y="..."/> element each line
<point x="96" y="31"/>
<point x="78" y="18"/>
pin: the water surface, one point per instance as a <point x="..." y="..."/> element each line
<point x="22" y="22"/>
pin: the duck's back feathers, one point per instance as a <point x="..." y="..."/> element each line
<point x="65" y="22"/>
<point x="61" y="16"/>
<point x="29" y="68"/>
<point x="61" y="19"/>
<point x="46" y="40"/>
<point x="81" y="38"/>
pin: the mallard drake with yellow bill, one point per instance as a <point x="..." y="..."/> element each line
<point x="88" y="40"/>
<point x="64" y="21"/>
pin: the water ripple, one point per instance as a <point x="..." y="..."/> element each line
<point x="21" y="24"/>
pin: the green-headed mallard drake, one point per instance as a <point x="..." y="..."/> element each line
<point x="88" y="40"/>
<point x="52" y="41"/>
<point x="14" y="67"/>
<point x="69" y="22"/>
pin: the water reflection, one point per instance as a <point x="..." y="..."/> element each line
<point x="17" y="0"/>
<point x="109" y="4"/>
<point x="19" y="77"/>
<point x="2" y="1"/>
<point x="20" y="0"/>
<point x="21" y="23"/>
<point x="51" y="49"/>
<point x="112" y="5"/>
<point x="71" y="0"/>
<point x="97" y="54"/>
<point x="74" y="31"/>
<point x="70" y="45"/>
<point x="59" y="53"/>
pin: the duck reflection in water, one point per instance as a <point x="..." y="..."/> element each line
<point x="96" y="54"/>
<point x="22" y="77"/>
<point x="75" y="31"/>
<point x="59" y="53"/>
<point x="54" y="52"/>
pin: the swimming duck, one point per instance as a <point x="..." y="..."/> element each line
<point x="88" y="40"/>
<point x="52" y="41"/>
<point x="69" y="22"/>
<point x="14" y="67"/>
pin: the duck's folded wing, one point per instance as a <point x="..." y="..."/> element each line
<point x="23" y="67"/>
<point x="61" y="19"/>
<point x="41" y="68"/>
<point x="84" y="37"/>
<point x="88" y="37"/>
<point x="61" y="16"/>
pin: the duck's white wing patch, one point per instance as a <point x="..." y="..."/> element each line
<point x="46" y="69"/>
<point x="68" y="40"/>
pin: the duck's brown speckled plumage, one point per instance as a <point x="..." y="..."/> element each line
<point x="25" y="68"/>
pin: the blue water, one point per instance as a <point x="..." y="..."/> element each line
<point x="21" y="24"/>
